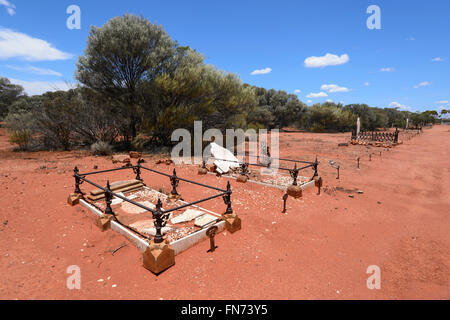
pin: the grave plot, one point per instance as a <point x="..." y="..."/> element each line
<point x="385" y="139"/>
<point x="262" y="171"/>
<point x="160" y="225"/>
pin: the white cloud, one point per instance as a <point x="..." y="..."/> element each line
<point x="19" y="45"/>
<point x="410" y="39"/>
<point x="332" y="88"/>
<point x="309" y="101"/>
<point x="35" y="70"/>
<point x="9" y="7"/>
<point x="297" y="91"/>
<point x="399" y="106"/>
<point x="437" y="59"/>
<point x="367" y="83"/>
<point x="262" y="71"/>
<point x="422" y="84"/>
<point x="317" y="95"/>
<point x="387" y="69"/>
<point x="326" y="60"/>
<point x="330" y="101"/>
<point x="40" y="87"/>
<point x="442" y="102"/>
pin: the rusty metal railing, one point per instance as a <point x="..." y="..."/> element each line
<point x="159" y="215"/>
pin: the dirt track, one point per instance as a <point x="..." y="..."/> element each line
<point x="320" y="249"/>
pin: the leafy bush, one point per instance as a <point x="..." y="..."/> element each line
<point x="101" y="148"/>
<point x="21" y="137"/>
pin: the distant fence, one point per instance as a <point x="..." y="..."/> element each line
<point x="385" y="136"/>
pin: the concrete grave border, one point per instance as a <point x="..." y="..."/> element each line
<point x="179" y="245"/>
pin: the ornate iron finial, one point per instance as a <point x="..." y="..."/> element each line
<point x="316" y="168"/>
<point x="137" y="170"/>
<point x="159" y="222"/>
<point x="244" y="169"/>
<point x="294" y="174"/>
<point x="77" y="181"/>
<point x="227" y="199"/>
<point x="108" y="199"/>
<point x="174" y="181"/>
<point x="159" y="204"/>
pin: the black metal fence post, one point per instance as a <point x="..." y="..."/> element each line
<point x="211" y="233"/>
<point x="137" y="170"/>
<point x="174" y="181"/>
<point x="227" y="199"/>
<point x="159" y="222"/>
<point x="294" y="175"/>
<point x="285" y="197"/>
<point x="244" y="169"/>
<point x="316" y="168"/>
<point x="396" y="136"/>
<point x="77" y="180"/>
<point x="108" y="199"/>
<point x="358" y="162"/>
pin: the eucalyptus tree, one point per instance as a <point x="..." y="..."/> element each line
<point x="124" y="55"/>
<point x="9" y="93"/>
<point x="203" y="93"/>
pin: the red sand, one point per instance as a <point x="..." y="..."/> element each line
<point x="320" y="249"/>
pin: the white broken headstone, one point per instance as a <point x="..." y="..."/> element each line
<point x="152" y="231"/>
<point x="358" y="127"/>
<point x="205" y="220"/>
<point x="226" y="159"/>
<point x="142" y="224"/>
<point x="117" y="200"/>
<point x="131" y="208"/>
<point x="188" y="215"/>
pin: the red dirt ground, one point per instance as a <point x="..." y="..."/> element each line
<point x="320" y="249"/>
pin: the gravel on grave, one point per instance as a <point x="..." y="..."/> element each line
<point x="142" y="221"/>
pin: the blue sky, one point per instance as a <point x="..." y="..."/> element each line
<point x="405" y="64"/>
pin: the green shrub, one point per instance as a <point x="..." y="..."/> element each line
<point x="101" y="148"/>
<point x="21" y="137"/>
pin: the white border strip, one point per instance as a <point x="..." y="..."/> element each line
<point x="304" y="186"/>
<point x="179" y="245"/>
<point x="185" y="243"/>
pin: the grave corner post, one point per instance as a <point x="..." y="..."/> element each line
<point x="232" y="222"/>
<point x="103" y="222"/>
<point x="294" y="190"/>
<point x="202" y="170"/>
<point x="75" y="197"/>
<point x="174" y="181"/>
<point x="137" y="170"/>
<point x="159" y="254"/>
